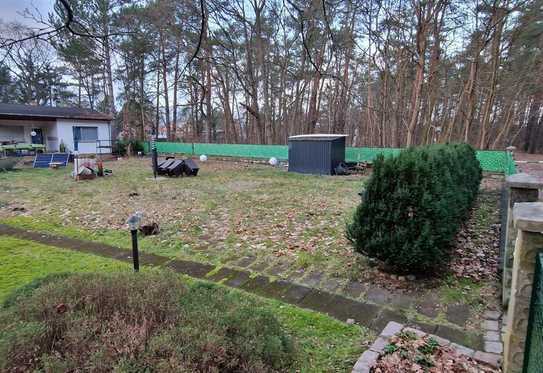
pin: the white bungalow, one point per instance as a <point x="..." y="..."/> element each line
<point x="78" y="129"/>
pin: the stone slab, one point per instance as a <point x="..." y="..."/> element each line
<point x="312" y="279"/>
<point x="492" y="325"/>
<point x="222" y="274"/>
<point x="490" y="359"/>
<point x="458" y="336"/>
<point x="384" y="317"/>
<point x="238" y="279"/>
<point x="528" y="216"/>
<point x="331" y="284"/>
<point x="256" y="285"/>
<point x="344" y="308"/>
<point x="462" y="349"/>
<point x="317" y="300"/>
<point x="492" y="315"/>
<point x="379" y="296"/>
<point x="523" y="181"/>
<point x="354" y="289"/>
<point x="391" y="329"/>
<point x="193" y="269"/>
<point x="379" y="344"/>
<point x="458" y="314"/>
<point x="366" y="361"/>
<point x="492" y="336"/>
<point x="245" y="262"/>
<point x="493" y="347"/>
<point x="425" y="327"/>
<point x="417" y="332"/>
<point x="295" y="293"/>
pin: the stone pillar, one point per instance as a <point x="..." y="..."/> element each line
<point x="520" y="188"/>
<point x="528" y="220"/>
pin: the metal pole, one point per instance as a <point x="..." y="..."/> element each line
<point x="135" y="254"/>
<point x="154" y="155"/>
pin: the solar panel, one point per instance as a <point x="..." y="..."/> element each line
<point x="43" y="160"/>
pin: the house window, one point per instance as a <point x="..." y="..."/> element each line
<point x="87" y="133"/>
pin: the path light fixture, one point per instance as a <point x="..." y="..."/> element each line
<point x="134" y="222"/>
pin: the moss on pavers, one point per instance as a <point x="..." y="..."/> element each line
<point x="344" y="308"/>
<point x="471" y="340"/>
<point x="256" y="285"/>
<point x="383" y="318"/>
<point x="238" y="279"/>
<point x="354" y="289"/>
<point x="317" y="300"/>
<point x="193" y="269"/>
<point x="295" y="293"/>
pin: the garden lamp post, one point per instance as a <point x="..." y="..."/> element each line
<point x="133" y="224"/>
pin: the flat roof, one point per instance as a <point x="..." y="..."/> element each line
<point x="17" y="111"/>
<point x="318" y="136"/>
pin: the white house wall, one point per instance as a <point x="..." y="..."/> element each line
<point x="64" y="131"/>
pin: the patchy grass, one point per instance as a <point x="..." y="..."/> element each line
<point x="292" y="225"/>
<point x="463" y="291"/>
<point x="230" y="210"/>
<point x="324" y="343"/>
<point x="23" y="261"/>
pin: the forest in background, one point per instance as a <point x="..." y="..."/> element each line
<point x="390" y="73"/>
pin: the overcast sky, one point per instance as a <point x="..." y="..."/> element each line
<point x="10" y="9"/>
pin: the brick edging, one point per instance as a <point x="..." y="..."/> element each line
<point x="369" y="358"/>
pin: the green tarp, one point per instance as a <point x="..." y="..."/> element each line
<point x="491" y="160"/>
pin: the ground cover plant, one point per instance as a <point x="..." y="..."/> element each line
<point x="320" y="342"/>
<point x="406" y="352"/>
<point x="413" y="206"/>
<point x="127" y="321"/>
<point x="262" y="219"/>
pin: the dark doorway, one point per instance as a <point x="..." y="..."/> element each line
<point x="38" y="136"/>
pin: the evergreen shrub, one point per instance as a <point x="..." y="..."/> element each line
<point x="413" y="206"/>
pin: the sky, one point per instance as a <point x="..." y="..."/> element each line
<point x="10" y="9"/>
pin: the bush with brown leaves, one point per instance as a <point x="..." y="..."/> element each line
<point x="138" y="322"/>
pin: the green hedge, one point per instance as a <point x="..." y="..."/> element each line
<point x="413" y="206"/>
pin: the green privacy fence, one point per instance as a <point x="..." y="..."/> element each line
<point x="491" y="160"/>
<point x="533" y="354"/>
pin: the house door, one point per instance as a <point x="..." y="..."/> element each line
<point x="36" y="136"/>
<point x="77" y="137"/>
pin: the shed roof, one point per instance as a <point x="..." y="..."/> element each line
<point x="15" y="111"/>
<point x="317" y="137"/>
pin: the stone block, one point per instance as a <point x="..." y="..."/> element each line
<point x="487" y="358"/>
<point x="492" y="315"/>
<point x="418" y="333"/>
<point x="492" y="336"/>
<point x="463" y="350"/>
<point x="366" y="362"/>
<point x="379" y="344"/>
<point x="441" y="341"/>
<point x="391" y="329"/>
<point x="491" y="325"/>
<point x="493" y="347"/>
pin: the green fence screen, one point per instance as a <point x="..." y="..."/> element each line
<point x="533" y="357"/>
<point x="491" y="160"/>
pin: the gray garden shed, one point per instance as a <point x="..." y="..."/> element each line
<point x="316" y="154"/>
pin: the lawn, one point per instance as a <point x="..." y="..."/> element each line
<point x="325" y="344"/>
<point x="273" y="222"/>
